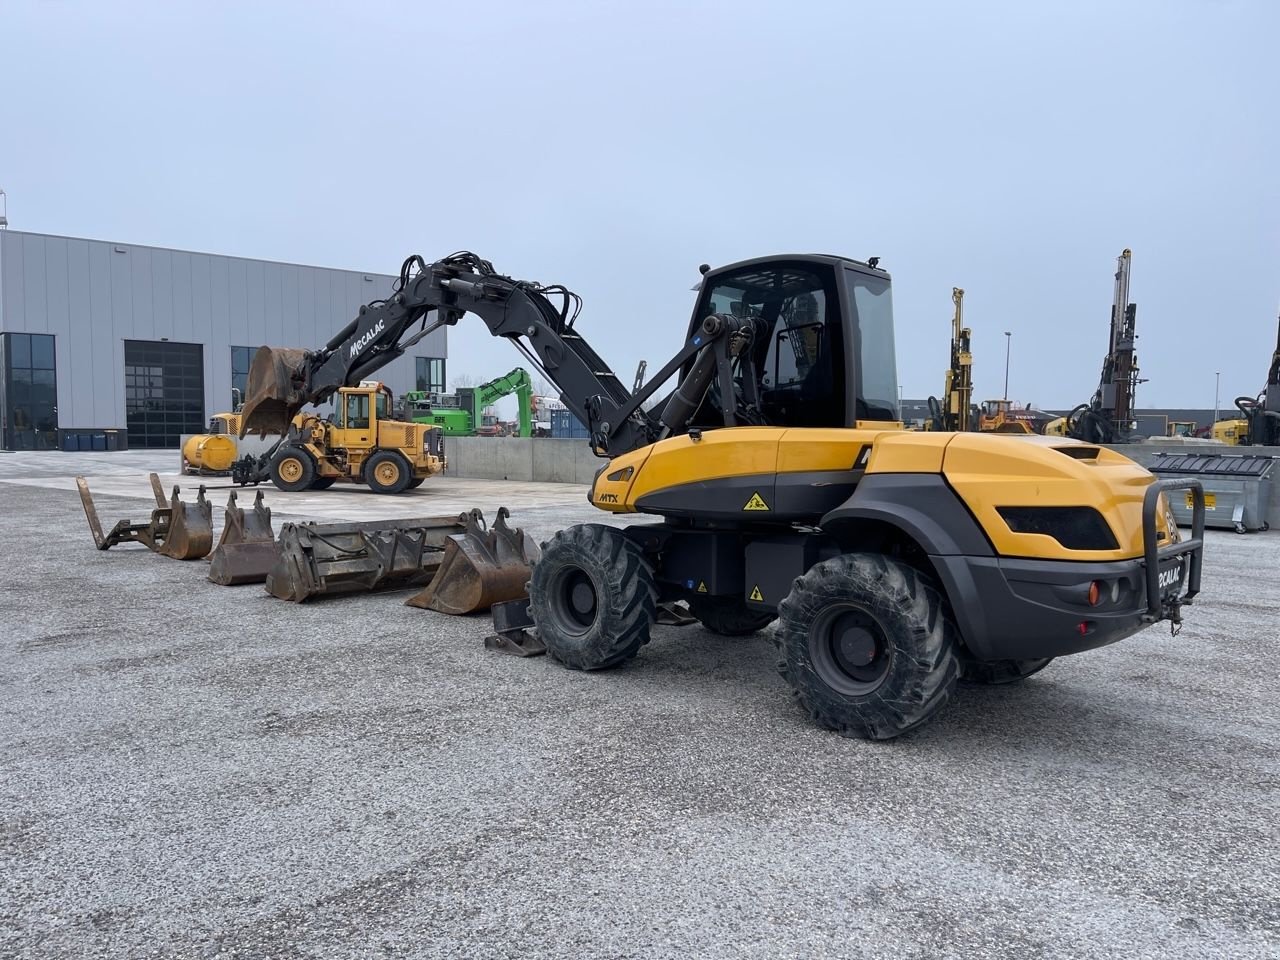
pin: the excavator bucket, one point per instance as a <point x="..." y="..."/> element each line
<point x="247" y="549"/>
<point x="190" y="528"/>
<point x="481" y="567"/>
<point x="318" y="559"/>
<point x="273" y="391"/>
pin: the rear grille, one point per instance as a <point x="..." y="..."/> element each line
<point x="1076" y="528"/>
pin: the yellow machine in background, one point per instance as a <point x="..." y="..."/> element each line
<point x="1002" y="416"/>
<point x="361" y="444"/>
<point x="213" y="452"/>
<point x="1233" y="432"/>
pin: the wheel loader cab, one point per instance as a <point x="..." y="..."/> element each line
<point x="822" y="354"/>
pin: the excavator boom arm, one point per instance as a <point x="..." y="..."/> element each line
<point x="433" y="295"/>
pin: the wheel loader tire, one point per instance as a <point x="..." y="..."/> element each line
<point x="592" y="597"/>
<point x="323" y="483"/>
<point x="387" y="471"/>
<point x="416" y="482"/>
<point x="868" y="645"/>
<point x="1002" y="671"/>
<point x="292" y="469"/>
<point x="728" y="616"/>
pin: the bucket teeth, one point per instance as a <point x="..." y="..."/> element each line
<point x="247" y="549"/>
<point x="481" y="566"/>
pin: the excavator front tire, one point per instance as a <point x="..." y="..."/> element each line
<point x="388" y="472"/>
<point x="868" y="645"/>
<point x="592" y="597"/>
<point x="293" y="469"/>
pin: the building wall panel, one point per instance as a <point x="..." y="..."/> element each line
<point x="93" y="295"/>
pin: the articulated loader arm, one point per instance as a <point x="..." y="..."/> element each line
<point x="282" y="381"/>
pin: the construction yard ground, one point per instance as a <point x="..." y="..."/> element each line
<point x="189" y="770"/>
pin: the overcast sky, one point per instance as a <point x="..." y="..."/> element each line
<point x="1011" y="148"/>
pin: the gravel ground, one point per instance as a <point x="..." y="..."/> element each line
<point x="196" y="771"/>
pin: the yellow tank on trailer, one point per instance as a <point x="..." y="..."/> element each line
<point x="209" y="452"/>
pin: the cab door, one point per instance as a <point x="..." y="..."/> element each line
<point x="357" y="425"/>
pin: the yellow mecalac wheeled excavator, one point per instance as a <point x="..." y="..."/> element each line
<point x="783" y="488"/>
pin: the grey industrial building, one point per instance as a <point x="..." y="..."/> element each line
<point x="104" y="344"/>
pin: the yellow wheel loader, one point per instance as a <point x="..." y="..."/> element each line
<point x="361" y="443"/>
<point x="775" y="483"/>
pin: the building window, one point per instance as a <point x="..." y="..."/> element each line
<point x="241" y="359"/>
<point x="30" y="394"/>
<point x="431" y="374"/>
<point x="163" y="391"/>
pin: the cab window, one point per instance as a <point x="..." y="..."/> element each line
<point x="383" y="405"/>
<point x="796" y="354"/>
<point x="358" y="411"/>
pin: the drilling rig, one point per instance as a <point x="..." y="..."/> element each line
<point x="957" y="394"/>
<point x="1108" y="417"/>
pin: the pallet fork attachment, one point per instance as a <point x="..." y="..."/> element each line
<point x="179" y="530"/>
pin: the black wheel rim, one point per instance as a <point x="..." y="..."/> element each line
<point x="849" y="650"/>
<point x="574" y="600"/>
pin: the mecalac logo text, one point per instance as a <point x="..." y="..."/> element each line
<point x="1170" y="577"/>
<point x="365" y="339"/>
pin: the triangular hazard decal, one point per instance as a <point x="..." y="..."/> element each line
<point x="756" y="503"/>
<point x="702" y="586"/>
<point x="755" y="591"/>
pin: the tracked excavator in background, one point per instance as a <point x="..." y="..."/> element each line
<point x="955" y="410"/>
<point x="459" y="414"/>
<point x="780" y="484"/>
<point x="1109" y="416"/>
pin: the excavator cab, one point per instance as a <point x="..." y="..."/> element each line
<point x="821" y="350"/>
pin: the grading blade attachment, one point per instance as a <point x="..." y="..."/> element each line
<point x="318" y="559"/>
<point x="247" y="549"/>
<point x="481" y="567"/>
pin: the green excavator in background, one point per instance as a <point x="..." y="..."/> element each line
<point x="460" y="414"/>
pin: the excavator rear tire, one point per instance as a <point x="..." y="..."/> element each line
<point x="387" y="471"/>
<point x="868" y="645"/>
<point x="728" y="616"/>
<point x="592" y="597"/>
<point x="293" y="469"/>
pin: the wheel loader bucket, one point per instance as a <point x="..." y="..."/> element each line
<point x="247" y="549"/>
<point x="318" y="559"/>
<point x="481" y="567"/>
<point x="274" y="391"/>
<point x="190" y="528"/>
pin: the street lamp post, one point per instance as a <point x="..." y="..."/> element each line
<point x="1008" y="339"/>
<point x="1217" y="379"/>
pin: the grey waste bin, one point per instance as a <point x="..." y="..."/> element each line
<point x="1237" y="487"/>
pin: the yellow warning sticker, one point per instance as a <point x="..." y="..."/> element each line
<point x="756" y="502"/>
<point x="702" y="586"/>
<point x="755" y="591"/>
